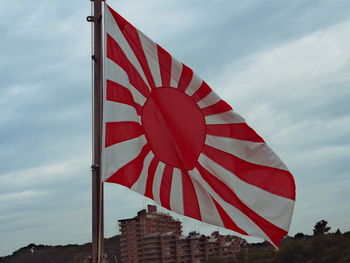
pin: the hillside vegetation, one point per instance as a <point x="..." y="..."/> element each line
<point x="321" y="247"/>
<point x="60" y="254"/>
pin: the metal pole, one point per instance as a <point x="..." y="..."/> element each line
<point x="97" y="184"/>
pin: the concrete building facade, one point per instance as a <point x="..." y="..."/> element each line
<point x="154" y="237"/>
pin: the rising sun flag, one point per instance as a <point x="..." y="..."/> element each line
<point x="169" y="137"/>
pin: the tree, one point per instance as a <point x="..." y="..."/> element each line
<point x="338" y="232"/>
<point x="299" y="236"/>
<point x="321" y="228"/>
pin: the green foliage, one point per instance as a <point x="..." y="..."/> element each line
<point x="337" y="232"/>
<point x="299" y="236"/>
<point x="327" y="248"/>
<point x="221" y="260"/>
<point x="321" y="228"/>
<point x="323" y="247"/>
<point x="60" y="254"/>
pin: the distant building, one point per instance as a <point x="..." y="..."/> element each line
<point x="136" y="231"/>
<point x="154" y="237"/>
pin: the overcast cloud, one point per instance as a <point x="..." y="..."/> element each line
<point x="283" y="65"/>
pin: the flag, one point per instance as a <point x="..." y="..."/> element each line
<point x="169" y="137"/>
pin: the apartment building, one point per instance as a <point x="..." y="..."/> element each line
<point x="134" y="232"/>
<point x="154" y="237"/>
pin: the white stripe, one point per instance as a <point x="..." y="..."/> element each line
<point x="116" y="74"/>
<point x="176" y="197"/>
<point x="208" y="100"/>
<point x="140" y="185"/>
<point x="176" y="69"/>
<point x="224" y="118"/>
<point x="194" y="85"/>
<point x="241" y="220"/>
<point x="151" y="52"/>
<point x="120" y="154"/>
<point x="115" y="112"/>
<point x="207" y="207"/>
<point x="158" y="175"/>
<point x="253" y="152"/>
<point x="112" y="28"/>
<point x="275" y="209"/>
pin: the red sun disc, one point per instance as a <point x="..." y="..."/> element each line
<point x="174" y="127"/>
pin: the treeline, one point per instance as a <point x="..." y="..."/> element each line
<point x="61" y="254"/>
<point x="321" y="247"/>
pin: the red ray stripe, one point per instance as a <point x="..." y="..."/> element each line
<point x="190" y="200"/>
<point x="118" y="93"/>
<point x="121" y="131"/>
<point x="228" y="222"/>
<point x="185" y="78"/>
<point x="151" y="173"/>
<point x="165" y="187"/>
<point x="164" y="59"/>
<point x="239" y="131"/>
<point x="128" y="174"/>
<point x="273" y="232"/>
<point x="216" y="108"/>
<point x="116" y="54"/>
<point x="132" y="37"/>
<point x="273" y="180"/>
<point x="203" y="91"/>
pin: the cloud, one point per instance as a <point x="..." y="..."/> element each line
<point x="283" y="66"/>
<point x="37" y="203"/>
<point x="299" y="88"/>
<point x="295" y="95"/>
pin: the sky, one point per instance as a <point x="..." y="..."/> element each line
<point x="283" y="65"/>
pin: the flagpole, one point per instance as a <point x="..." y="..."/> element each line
<point x="97" y="184"/>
